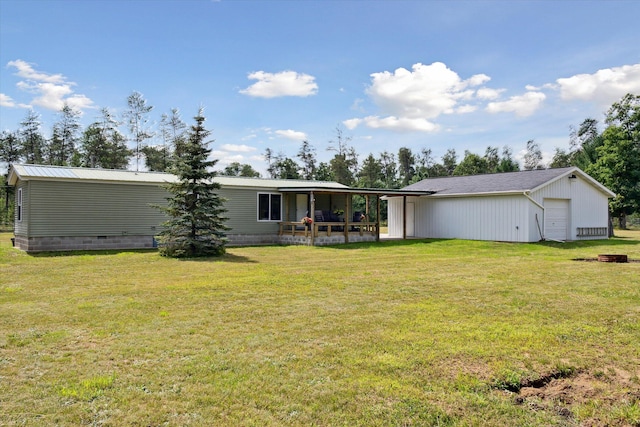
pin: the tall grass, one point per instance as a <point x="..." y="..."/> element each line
<point x="420" y="332"/>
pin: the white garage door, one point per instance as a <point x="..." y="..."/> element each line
<point x="556" y="219"/>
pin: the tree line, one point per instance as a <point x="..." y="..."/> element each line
<point x="611" y="155"/>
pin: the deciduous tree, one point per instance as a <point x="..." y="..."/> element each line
<point x="472" y="164"/>
<point x="618" y="157"/>
<point x="307" y="156"/>
<point x="103" y="146"/>
<point x="533" y="156"/>
<point x="450" y="161"/>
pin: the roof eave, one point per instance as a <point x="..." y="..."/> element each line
<point x="479" y="194"/>
<point x="13" y="177"/>
<point x="348" y="190"/>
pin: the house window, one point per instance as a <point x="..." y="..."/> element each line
<point x="19" y="205"/>
<point x="269" y="207"/>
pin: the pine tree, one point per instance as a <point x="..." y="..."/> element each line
<point x="31" y="140"/>
<point x="195" y="227"/>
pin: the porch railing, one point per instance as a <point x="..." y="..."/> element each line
<point x="299" y="228"/>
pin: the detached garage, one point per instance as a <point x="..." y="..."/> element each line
<point x="551" y="204"/>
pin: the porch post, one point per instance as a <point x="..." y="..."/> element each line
<point x="346" y="217"/>
<point x="366" y="206"/>
<point x="404" y="217"/>
<point x="312" y="216"/>
<point x="378" y="218"/>
<point x="286" y="206"/>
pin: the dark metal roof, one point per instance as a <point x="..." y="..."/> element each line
<point x="509" y="182"/>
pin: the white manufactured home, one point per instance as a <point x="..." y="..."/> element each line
<point x="551" y="204"/>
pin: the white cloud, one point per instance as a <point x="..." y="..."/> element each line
<point x="604" y="86"/>
<point x="26" y="71"/>
<point x="285" y="83"/>
<point x="291" y="134"/>
<point x="6" y="101"/>
<point x="249" y="137"/>
<point x="410" y="99"/>
<point x="521" y="105"/>
<point x="238" y="148"/>
<point x="352" y="123"/>
<point x="425" y="92"/>
<point x="463" y="109"/>
<point x="487" y="93"/>
<point x="51" y="91"/>
<point x="394" y="123"/>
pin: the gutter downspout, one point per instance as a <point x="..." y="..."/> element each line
<point x="526" y="194"/>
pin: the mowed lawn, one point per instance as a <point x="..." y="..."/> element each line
<point x="400" y="333"/>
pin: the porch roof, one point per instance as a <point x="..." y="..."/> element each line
<point x="353" y="190"/>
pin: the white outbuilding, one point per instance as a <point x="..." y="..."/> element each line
<point x="551" y="204"/>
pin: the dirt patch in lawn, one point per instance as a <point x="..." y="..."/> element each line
<point x="629" y="260"/>
<point x="611" y="387"/>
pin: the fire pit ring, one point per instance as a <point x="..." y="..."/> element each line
<point x="612" y="258"/>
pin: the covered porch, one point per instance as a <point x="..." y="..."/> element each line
<point x="318" y="216"/>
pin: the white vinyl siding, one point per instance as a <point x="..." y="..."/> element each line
<point x="588" y="206"/>
<point x="501" y="218"/>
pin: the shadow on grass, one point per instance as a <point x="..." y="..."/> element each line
<point x="387" y="243"/>
<point x="227" y="257"/>
<point x="615" y="241"/>
<point x="52" y="254"/>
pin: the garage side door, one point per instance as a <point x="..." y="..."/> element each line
<point x="556" y="219"/>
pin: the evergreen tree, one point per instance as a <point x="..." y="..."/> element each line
<point x="406" y="165"/>
<point x="62" y="147"/>
<point x="9" y="153"/>
<point x="195" y="227"/>
<point x="173" y="129"/>
<point x="137" y="120"/>
<point x="31" y="140"/>
<point x="370" y="175"/>
<point x="9" y="147"/>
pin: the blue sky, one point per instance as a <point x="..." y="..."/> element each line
<point x="418" y="74"/>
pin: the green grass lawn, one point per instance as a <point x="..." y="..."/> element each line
<point x="420" y="332"/>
